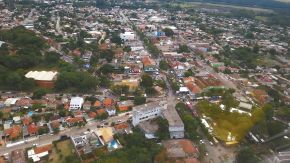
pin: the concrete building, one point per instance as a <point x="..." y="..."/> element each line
<point x="147" y="111"/>
<point x="176" y="126"/>
<point x="127" y="36"/>
<point x="76" y="103"/>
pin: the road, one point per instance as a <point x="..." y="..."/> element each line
<point x="48" y="139"/>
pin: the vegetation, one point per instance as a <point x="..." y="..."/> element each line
<point x="139" y="100"/>
<point x="163" y="65"/>
<point x="246" y="154"/>
<point x="190" y="123"/>
<point x="163" y="132"/>
<point x="236" y="123"/>
<point x="76" y="82"/>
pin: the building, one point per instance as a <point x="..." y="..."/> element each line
<point x="149" y="65"/>
<point x="147" y="111"/>
<point x="76" y="103"/>
<point x="127" y="36"/>
<point x="18" y="156"/>
<point x="181" y="150"/>
<point x="43" y="79"/>
<point x="176" y="126"/>
<point x="125" y="105"/>
<point x="38" y="152"/>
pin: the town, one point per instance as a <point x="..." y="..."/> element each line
<point x="92" y="81"/>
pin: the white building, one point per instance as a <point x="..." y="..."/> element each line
<point x="127" y="36"/>
<point x="111" y="111"/>
<point x="76" y="103"/>
<point x="147" y="111"/>
<point x="176" y="126"/>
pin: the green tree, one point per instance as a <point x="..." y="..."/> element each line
<point x="147" y="81"/>
<point x="163" y="126"/>
<point x="138" y="100"/>
<point x="246" y="155"/>
<point x="168" y="32"/>
<point x="163" y="65"/>
<point x="106" y="69"/>
<point x="39" y="93"/>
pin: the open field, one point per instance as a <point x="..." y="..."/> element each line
<point x="61" y="150"/>
<point x="200" y="4"/>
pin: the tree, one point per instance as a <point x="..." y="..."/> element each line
<point x="120" y="89"/>
<point x="183" y="49"/>
<point x="1" y="114"/>
<point x="168" y="32"/>
<point x="39" y="93"/>
<point x="138" y="100"/>
<point x="163" y="126"/>
<point x="163" y="65"/>
<point x="127" y="49"/>
<point x="147" y="81"/>
<point x="116" y="39"/>
<point x="35" y="118"/>
<point x="275" y="127"/>
<point x="108" y="54"/>
<point x="106" y="69"/>
<point x="246" y="155"/>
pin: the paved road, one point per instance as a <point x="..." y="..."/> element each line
<point x="48" y="139"/>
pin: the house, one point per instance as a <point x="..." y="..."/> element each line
<point x="76" y="103"/>
<point x="74" y="121"/>
<point x="111" y="111"/>
<point x="122" y="128"/>
<point x="101" y="111"/>
<point x="86" y="142"/>
<point x="125" y="105"/>
<point x="32" y="129"/>
<point x="87" y="105"/>
<point x="147" y="111"/>
<point x="18" y="156"/>
<point x="24" y="102"/>
<point x="97" y="104"/>
<point x="37" y="153"/>
<point x="108" y="102"/>
<point x="13" y="133"/>
<point x="106" y="134"/>
<point x="261" y="96"/>
<point x="149" y="65"/>
<point x="17" y="119"/>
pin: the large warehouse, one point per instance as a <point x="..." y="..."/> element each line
<point x="43" y="79"/>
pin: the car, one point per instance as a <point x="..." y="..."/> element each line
<point x="63" y="137"/>
<point x="211" y="143"/>
<point x="119" y="121"/>
<point x="35" y="145"/>
<point x="206" y="153"/>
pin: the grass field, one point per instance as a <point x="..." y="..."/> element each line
<point x="62" y="150"/>
<point x="199" y="4"/>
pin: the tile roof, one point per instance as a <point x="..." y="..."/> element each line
<point x="32" y="129"/>
<point x="13" y="132"/>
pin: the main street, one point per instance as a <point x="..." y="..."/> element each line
<point x="48" y="139"/>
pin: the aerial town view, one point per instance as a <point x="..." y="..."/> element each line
<point x="145" y="81"/>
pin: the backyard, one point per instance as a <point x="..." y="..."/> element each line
<point x="63" y="151"/>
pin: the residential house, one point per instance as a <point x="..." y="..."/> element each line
<point x="18" y="156"/>
<point x="125" y="105"/>
<point x="37" y="153"/>
<point x="76" y="103"/>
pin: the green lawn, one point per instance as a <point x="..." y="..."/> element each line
<point x="61" y="150"/>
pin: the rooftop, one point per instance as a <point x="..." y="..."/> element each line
<point x="41" y="75"/>
<point x="172" y="117"/>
